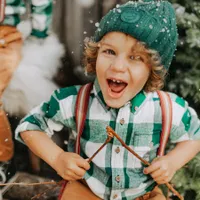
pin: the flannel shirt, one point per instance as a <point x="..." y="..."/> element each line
<point x="115" y="173"/>
<point x="40" y="14"/>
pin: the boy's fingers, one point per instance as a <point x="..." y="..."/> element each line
<point x="161" y="182"/>
<point x="79" y="172"/>
<point x="164" y="179"/>
<point x="156" y="174"/>
<point x="83" y="163"/>
<point x="154" y="166"/>
<point x="72" y="176"/>
<point x="160" y="179"/>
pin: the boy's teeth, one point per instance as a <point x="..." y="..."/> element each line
<point x="116" y="85"/>
<point x="113" y="80"/>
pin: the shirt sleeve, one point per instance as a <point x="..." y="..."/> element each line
<point x="185" y="122"/>
<point x="46" y="117"/>
<point x="41" y="15"/>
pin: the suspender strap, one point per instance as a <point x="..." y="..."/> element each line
<point x="166" y="108"/>
<point x="82" y="102"/>
<point x="81" y="111"/>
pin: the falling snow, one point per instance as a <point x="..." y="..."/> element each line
<point x="97" y="24"/>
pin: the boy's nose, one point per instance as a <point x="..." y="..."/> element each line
<point x="119" y="65"/>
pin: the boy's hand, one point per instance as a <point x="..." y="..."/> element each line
<point x="71" y="166"/>
<point x="161" y="170"/>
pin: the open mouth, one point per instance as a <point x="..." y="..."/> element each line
<point x="116" y="86"/>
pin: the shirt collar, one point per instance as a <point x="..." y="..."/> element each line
<point x="138" y="100"/>
<point x="135" y="102"/>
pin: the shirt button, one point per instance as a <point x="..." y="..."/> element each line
<point x="115" y="196"/>
<point x="117" y="150"/>
<point x="117" y="178"/>
<point x="136" y="108"/>
<point x="122" y="121"/>
<point x="151" y="144"/>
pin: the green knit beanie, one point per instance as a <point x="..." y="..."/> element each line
<point x="152" y="22"/>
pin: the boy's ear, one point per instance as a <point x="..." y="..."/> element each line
<point x="99" y="45"/>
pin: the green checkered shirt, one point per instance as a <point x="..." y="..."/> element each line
<point x="115" y="173"/>
<point x="41" y="15"/>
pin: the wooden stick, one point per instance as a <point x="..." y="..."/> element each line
<point x="47" y="190"/>
<point x="31" y="184"/>
<point x="110" y="131"/>
<point x="101" y="147"/>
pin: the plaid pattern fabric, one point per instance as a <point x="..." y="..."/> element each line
<point x="41" y="15"/>
<point x="115" y="173"/>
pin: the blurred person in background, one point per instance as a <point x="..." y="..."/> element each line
<point x="28" y="66"/>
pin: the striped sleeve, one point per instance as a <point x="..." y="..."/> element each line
<point x="46" y="117"/>
<point x="185" y="125"/>
<point x="52" y="115"/>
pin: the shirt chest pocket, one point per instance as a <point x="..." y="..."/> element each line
<point x="146" y="146"/>
<point x="146" y="138"/>
<point x="147" y="154"/>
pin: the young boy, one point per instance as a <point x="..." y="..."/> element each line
<point x="130" y="54"/>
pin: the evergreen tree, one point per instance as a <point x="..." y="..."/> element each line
<point x="184" y="79"/>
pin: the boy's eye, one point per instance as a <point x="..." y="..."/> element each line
<point x="137" y="58"/>
<point x="109" y="51"/>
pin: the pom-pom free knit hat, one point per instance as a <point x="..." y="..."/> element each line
<point x="152" y="22"/>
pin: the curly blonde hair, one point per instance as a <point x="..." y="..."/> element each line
<point x="157" y="74"/>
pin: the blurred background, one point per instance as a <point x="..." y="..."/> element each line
<point x="74" y="20"/>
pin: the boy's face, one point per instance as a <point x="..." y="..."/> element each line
<point x="121" y="68"/>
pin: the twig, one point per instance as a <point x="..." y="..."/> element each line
<point x="31" y="184"/>
<point x="36" y="184"/>
<point x="112" y="132"/>
<point x="41" y="194"/>
<point x="101" y="147"/>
